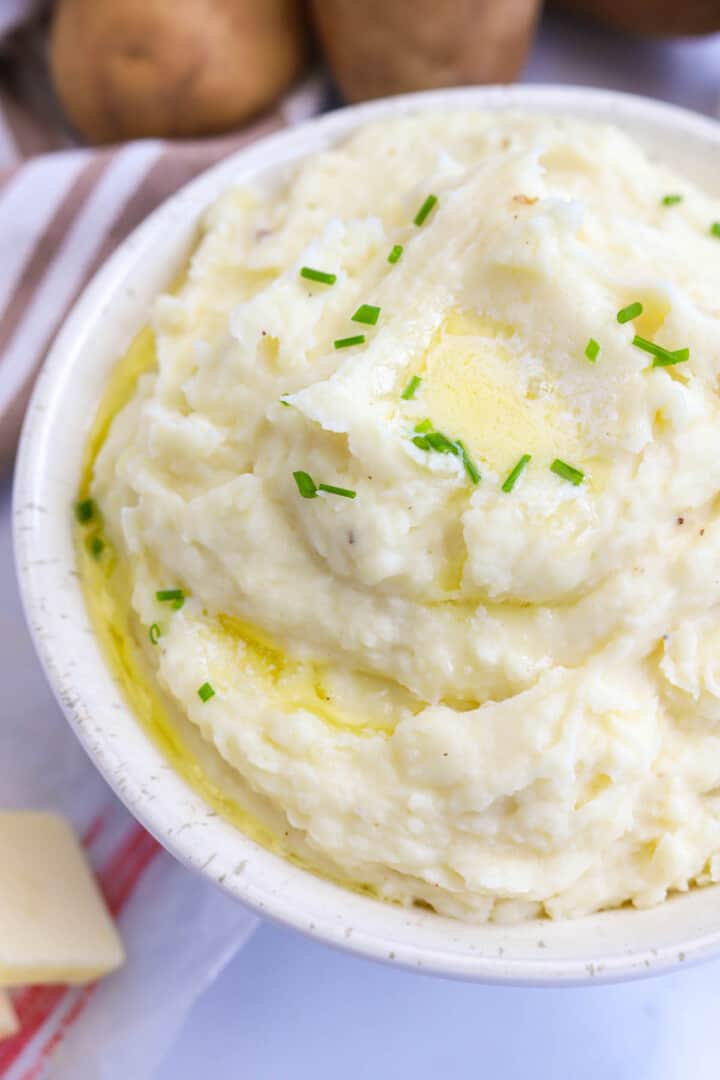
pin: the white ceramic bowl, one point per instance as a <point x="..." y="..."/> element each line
<point x="612" y="945"/>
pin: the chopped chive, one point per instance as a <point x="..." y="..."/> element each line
<point x="95" y="546"/>
<point x="409" y="392"/>
<point x="715" y="228"/>
<point x="346" y="342"/>
<point x="678" y="357"/>
<point x="671" y="200"/>
<point x="435" y="440"/>
<point x="174" y="596"/>
<point x="425" y="210"/>
<point x="592" y="350"/>
<point x="368" y="314"/>
<point x="154" y="633"/>
<point x="514" y="473"/>
<point x="661" y="357"/>
<point x="85" y="511"/>
<point x="287" y="404"/>
<point x="470" y="467"/>
<point x="567" y="472"/>
<point x="305" y="485"/>
<point x="347" y="493"/>
<point x="206" y="692"/>
<point x="441" y="444"/>
<point x="395" y="253"/>
<point x="630" y="312"/>
<point x="318" y="275"/>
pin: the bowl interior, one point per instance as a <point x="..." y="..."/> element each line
<point x="611" y="945"/>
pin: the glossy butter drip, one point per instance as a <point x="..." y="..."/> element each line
<point x="108" y="587"/>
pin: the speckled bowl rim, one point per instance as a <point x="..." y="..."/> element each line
<point x="610" y="946"/>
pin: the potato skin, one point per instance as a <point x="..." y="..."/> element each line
<point x="126" y="69"/>
<point x="653" y="17"/>
<point x="380" y="47"/>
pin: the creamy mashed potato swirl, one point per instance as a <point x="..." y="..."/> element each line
<point x="502" y="703"/>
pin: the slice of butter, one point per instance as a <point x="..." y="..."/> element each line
<point x="471" y="388"/>
<point x="54" y="926"/>
<point x="8" y="1020"/>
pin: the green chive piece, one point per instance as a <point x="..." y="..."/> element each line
<point x="368" y="314"/>
<point x="435" y="440"/>
<point x="592" y="350"/>
<point x="441" y="444"/>
<point x="678" y="357"/>
<point x="671" y="200"/>
<point x="95" y="546"/>
<point x="346" y="342"/>
<point x="715" y="228"/>
<point x="427" y="207"/>
<point x="176" y="597"/>
<point x="206" y="692"/>
<point x="305" y="485"/>
<point x="287" y="404"/>
<point x="470" y="467"/>
<point x="630" y="312"/>
<point x="85" y="511"/>
<point x="567" y="472"/>
<point x="347" y="493"/>
<point x="409" y="392"/>
<point x="154" y="633"/>
<point x="318" y="275"/>
<point x="395" y="253"/>
<point x="514" y="473"/>
<point x="661" y="357"/>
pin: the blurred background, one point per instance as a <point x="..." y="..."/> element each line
<point x="106" y="107"/>
<point x="111" y="70"/>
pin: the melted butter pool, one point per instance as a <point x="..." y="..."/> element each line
<point x="339" y="699"/>
<point x="472" y="390"/>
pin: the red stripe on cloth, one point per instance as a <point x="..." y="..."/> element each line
<point x="119" y="877"/>
<point x="58" y="1035"/>
<point x="94" y="829"/>
<point x="34" y="1006"/>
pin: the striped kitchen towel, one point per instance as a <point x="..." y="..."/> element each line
<point x="178" y="930"/>
<point x="62" y="212"/>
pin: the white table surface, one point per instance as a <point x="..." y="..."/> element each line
<point x="289" y="1008"/>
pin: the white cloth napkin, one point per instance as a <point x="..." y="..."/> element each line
<point x="178" y="930"/>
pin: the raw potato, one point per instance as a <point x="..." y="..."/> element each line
<point x="389" y="46"/>
<point x="125" y="69"/>
<point x="650" y="16"/>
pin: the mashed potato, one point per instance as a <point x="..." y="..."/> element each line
<point x="450" y="587"/>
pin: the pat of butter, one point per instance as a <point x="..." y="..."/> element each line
<point x="54" y="926"/>
<point x="8" y="1020"/>
<point x="471" y="391"/>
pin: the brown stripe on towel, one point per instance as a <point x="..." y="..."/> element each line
<point x="48" y="244"/>
<point x="178" y="164"/>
